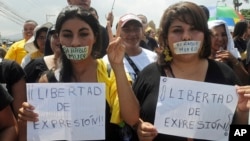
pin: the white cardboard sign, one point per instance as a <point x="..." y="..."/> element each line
<point x="195" y="109"/>
<point x="67" y="111"/>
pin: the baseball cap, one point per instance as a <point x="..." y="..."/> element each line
<point x="29" y="45"/>
<point x="129" y="17"/>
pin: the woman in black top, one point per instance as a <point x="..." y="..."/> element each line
<point x="181" y="24"/>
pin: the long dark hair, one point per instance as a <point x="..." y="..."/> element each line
<point x="191" y="14"/>
<point x="47" y="49"/>
<point x="71" y="12"/>
<point x="240" y="29"/>
<point x="44" y="29"/>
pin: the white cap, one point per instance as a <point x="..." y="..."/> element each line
<point x="129" y="17"/>
<point x="29" y="45"/>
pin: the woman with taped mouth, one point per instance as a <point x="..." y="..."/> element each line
<point x="185" y="38"/>
<point x="79" y="35"/>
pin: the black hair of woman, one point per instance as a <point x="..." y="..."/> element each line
<point x="71" y="12"/>
<point x="47" y="49"/>
<point x="205" y="9"/>
<point x="240" y="29"/>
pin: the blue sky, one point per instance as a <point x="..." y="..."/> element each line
<point x="47" y="10"/>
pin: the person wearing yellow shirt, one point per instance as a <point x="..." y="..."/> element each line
<point x="36" y="44"/>
<point x="4" y="46"/>
<point x="16" y="51"/>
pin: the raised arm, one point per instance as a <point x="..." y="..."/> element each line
<point x="129" y="105"/>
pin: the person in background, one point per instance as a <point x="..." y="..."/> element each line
<point x="77" y="28"/>
<point x="248" y="58"/>
<point x="16" y="51"/>
<point x="182" y="22"/>
<point x="136" y="57"/>
<point x="150" y="32"/>
<point x="83" y="3"/>
<point x="205" y="9"/>
<point x="38" y="66"/>
<point x="248" y="30"/>
<point x="2" y="53"/>
<point x="248" y="48"/>
<point x="105" y="37"/>
<point x="8" y="125"/>
<point x="4" y="45"/>
<point x="146" y="42"/>
<point x="36" y="44"/>
<point x="223" y="49"/>
<point x="240" y="39"/>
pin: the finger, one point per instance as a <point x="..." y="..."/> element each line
<point x="247" y="96"/>
<point x="119" y="46"/>
<point x="109" y="30"/>
<point x="118" y="30"/>
<point x="110" y="15"/>
<point x="27" y="115"/>
<point x="147" y="129"/>
<point x="113" y="45"/>
<point x="107" y="17"/>
<point x="26" y="105"/>
<point x="26" y="118"/>
<point x="147" y="136"/>
<point x="243" y="89"/>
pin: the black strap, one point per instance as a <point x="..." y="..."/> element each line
<point x="132" y="64"/>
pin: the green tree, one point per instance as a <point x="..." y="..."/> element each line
<point x="245" y="13"/>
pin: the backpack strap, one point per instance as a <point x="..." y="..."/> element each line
<point x="132" y="64"/>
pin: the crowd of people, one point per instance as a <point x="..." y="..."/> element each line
<point x="131" y="64"/>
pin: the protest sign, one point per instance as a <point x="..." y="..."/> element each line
<point x="195" y="109"/>
<point x="67" y="111"/>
